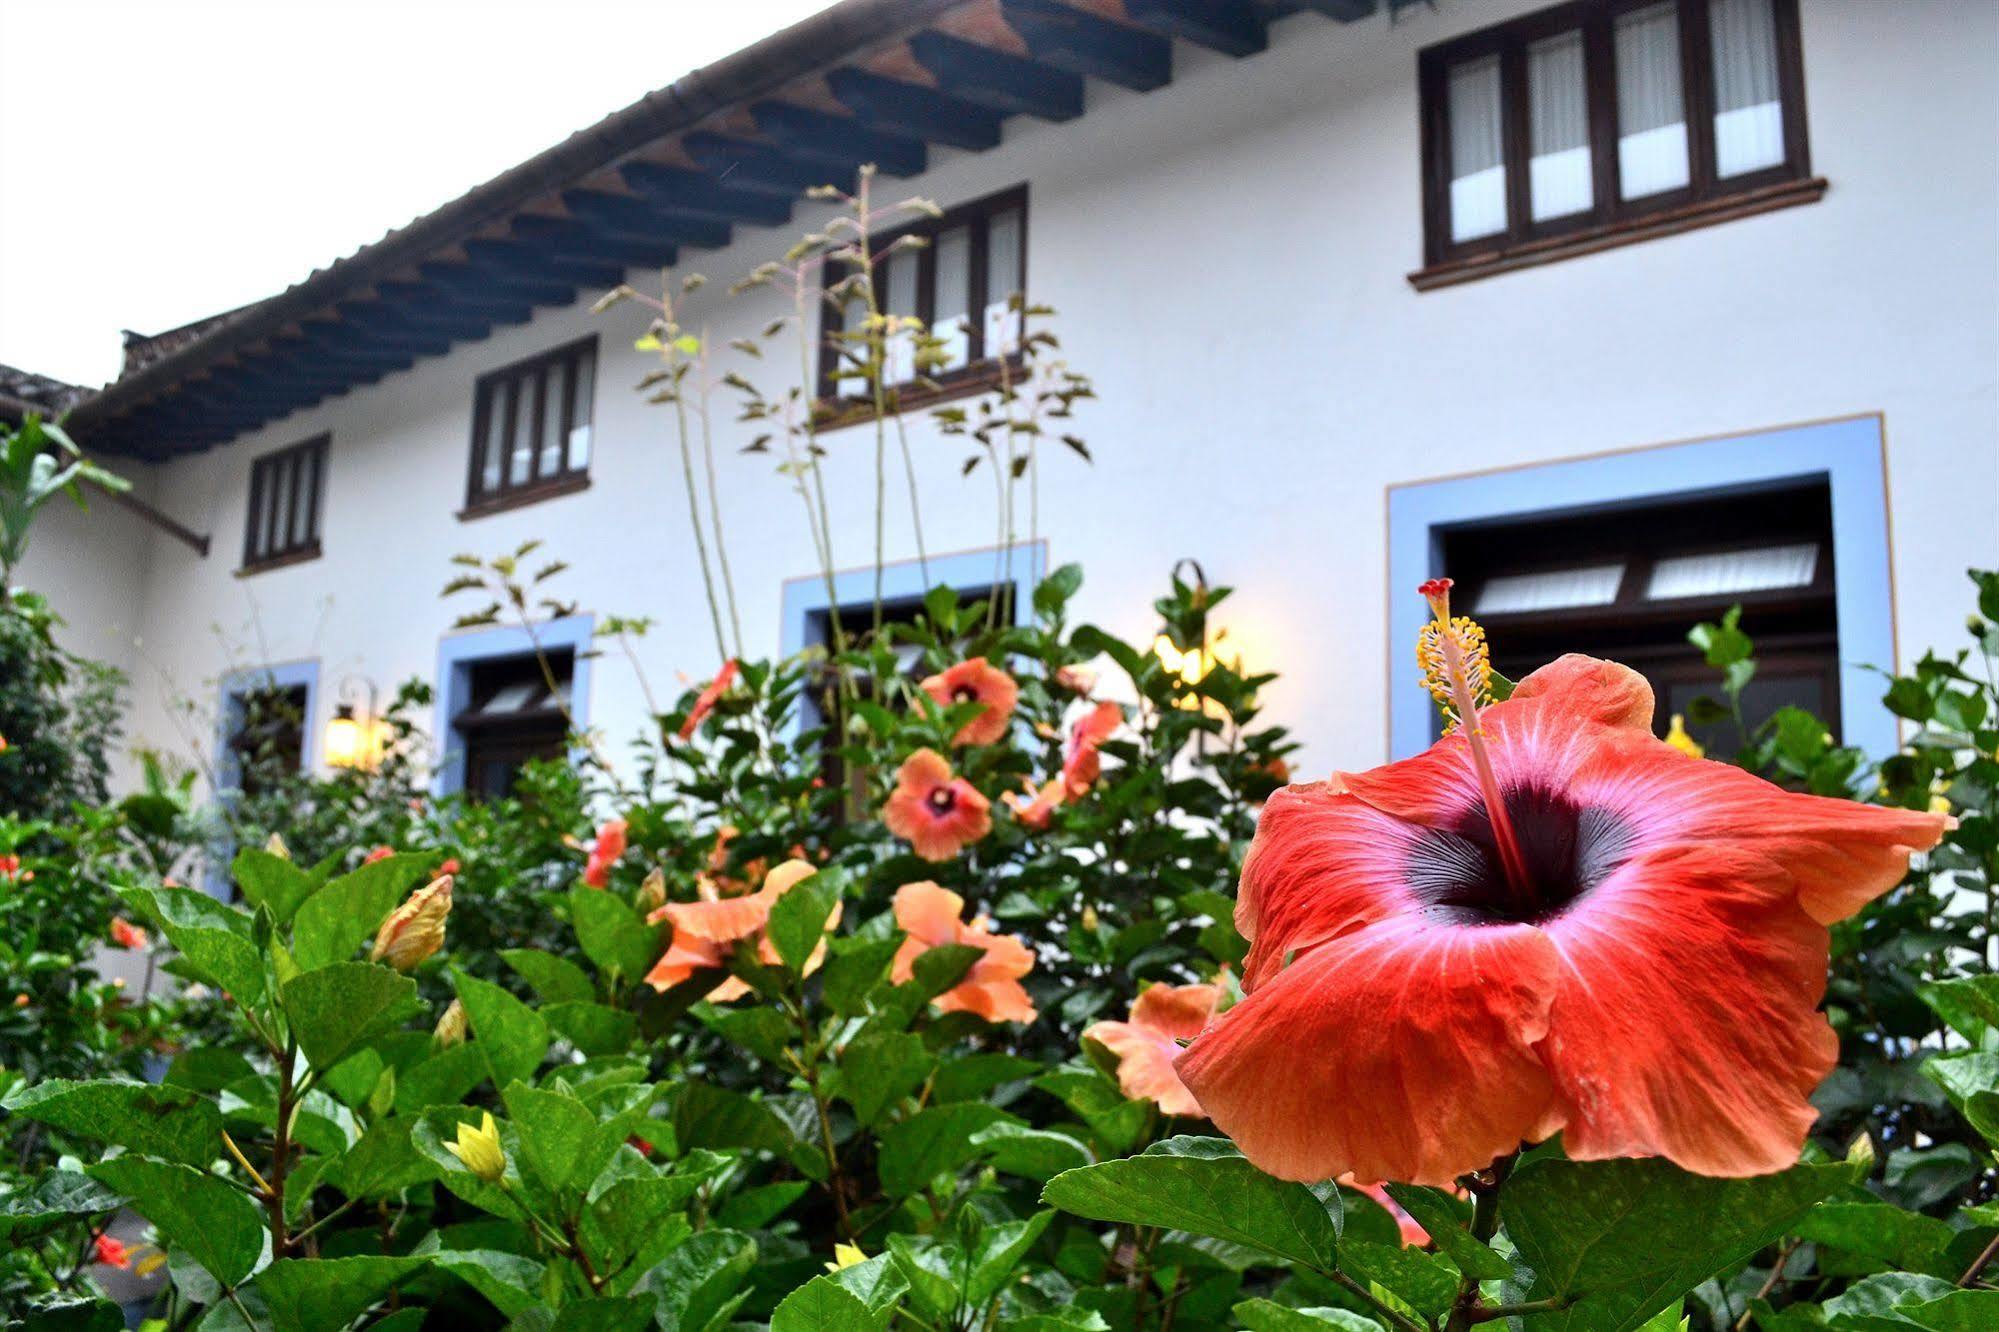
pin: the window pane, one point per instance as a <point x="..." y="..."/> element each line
<point x="520" y="401"/>
<point x="952" y="323"/>
<point x="584" y="370"/>
<point x="1733" y="571"/>
<point x="493" y="445"/>
<point x="1651" y="118"/>
<point x="1748" y="112"/>
<point x="1003" y="283"/>
<point x="274" y="507"/>
<point x="1560" y="589"/>
<point x="1558" y="172"/>
<point x="551" y="420"/>
<point x="1478" y="164"/>
<point x="301" y="493"/>
<point x="899" y="275"/>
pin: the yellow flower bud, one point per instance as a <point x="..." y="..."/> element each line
<point x="1677" y="737"/>
<point x="1089" y="918"/>
<point x="414" y="930"/>
<point x="479" y="1150"/>
<point x="652" y="893"/>
<point x="276" y="846"/>
<point x="845" y="1256"/>
<point x="450" y="1027"/>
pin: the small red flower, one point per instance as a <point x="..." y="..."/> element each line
<point x="936" y="813"/>
<point x="10" y="867"/>
<point x="1621" y="943"/>
<point x="127" y="935"/>
<point x="1161" y="1018"/>
<point x="1081" y="763"/>
<point x="973" y="681"/>
<point x="450" y="866"/>
<point x="609" y="846"/>
<point x="379" y="853"/>
<point x="705" y="703"/>
<point x="111" y="1252"/>
<point x="932" y="917"/>
<point x="1037" y="807"/>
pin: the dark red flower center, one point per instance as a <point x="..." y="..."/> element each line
<point x="942" y="799"/>
<point x="1569" y="849"/>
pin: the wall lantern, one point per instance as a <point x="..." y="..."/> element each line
<point x="355" y="737"/>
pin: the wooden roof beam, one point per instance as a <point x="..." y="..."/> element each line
<point x="1080" y="42"/>
<point x="1005" y="83"/>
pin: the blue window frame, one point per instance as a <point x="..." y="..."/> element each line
<point x="237" y="686"/>
<point x="459" y="654"/>
<point x="1847" y="456"/>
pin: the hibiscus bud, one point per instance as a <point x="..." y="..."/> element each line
<point x="479" y="1150"/>
<point x="1090" y="918"/>
<point x="414" y="930"/>
<point x="1860" y="1153"/>
<point x="845" y="1256"/>
<point x="652" y="893"/>
<point x="276" y="846"/>
<point x="450" y="1027"/>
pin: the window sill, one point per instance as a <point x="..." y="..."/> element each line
<point x="303" y="555"/>
<point x="1669" y="222"/>
<point x="521" y="498"/>
<point x="972" y="380"/>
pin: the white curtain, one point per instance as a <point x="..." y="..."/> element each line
<point x="1733" y="571"/>
<point x="579" y="429"/>
<point x="899" y="298"/>
<point x="1748" y="113"/>
<point x="951" y="322"/>
<point x="1478" y="162"/>
<point x="1560" y="589"/>
<point x="1003" y="282"/>
<point x="1651" y="118"/>
<point x="1558" y="171"/>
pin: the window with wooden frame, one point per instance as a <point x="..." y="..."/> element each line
<point x="1603" y="122"/>
<point x="967" y="284"/>
<point x="1628" y="583"/>
<point x="286" y="487"/>
<point x="531" y="429"/>
<point x="514" y="718"/>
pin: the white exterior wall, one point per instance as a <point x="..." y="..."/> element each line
<point x="1228" y="256"/>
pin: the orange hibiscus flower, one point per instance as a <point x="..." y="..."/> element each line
<point x="1548" y="921"/>
<point x="973" y="681"/>
<point x="706" y="933"/>
<point x="127" y="935"/>
<point x="1161" y="1017"/>
<point x="936" y="813"/>
<point x="932" y="917"/>
<point x="610" y="845"/>
<point x="705" y="702"/>
<point x="1081" y="763"/>
<point x="1036" y="808"/>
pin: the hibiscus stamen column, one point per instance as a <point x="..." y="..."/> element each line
<point x="1453" y="656"/>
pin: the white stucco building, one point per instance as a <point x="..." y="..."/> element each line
<point x="1616" y="313"/>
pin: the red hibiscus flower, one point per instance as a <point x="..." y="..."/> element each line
<point x="932" y="917"/>
<point x="1146" y="1046"/>
<point x="127" y="935"/>
<point x="450" y="866"/>
<point x="706" y="933"/>
<point x="974" y="681"/>
<point x="705" y="703"/>
<point x="1081" y="763"/>
<point x="10" y="867"/>
<point x="1548" y="921"/>
<point x="936" y="813"/>
<point x="379" y="853"/>
<point x="610" y="845"/>
<point x="1036" y="808"/>
<point x="110" y="1251"/>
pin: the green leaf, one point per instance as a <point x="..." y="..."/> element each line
<point x="214" y="940"/>
<point x="822" y="1305"/>
<point x="878" y="1069"/>
<point x="327" y="1294"/>
<point x="698" y="1283"/>
<point x="510" y="1035"/>
<point x="753" y="1209"/>
<point x="613" y="936"/>
<point x="1032" y="1153"/>
<point x="556" y="979"/>
<point x="642" y="1213"/>
<point x="932" y="1142"/>
<point x="999" y="1251"/>
<point x="214" y="1224"/>
<point x="1970" y="1006"/>
<point x="1881" y="1233"/>
<point x="334" y="921"/>
<point x="970" y="1076"/>
<point x="509" y="1281"/>
<point x="73" y="1314"/>
<point x="593" y="1028"/>
<point x="171" y="1122"/>
<point x="1266" y="1316"/>
<point x="57" y="1199"/>
<point x="1201" y="1186"/>
<point x="1971" y="1080"/>
<point x="1439" y="1213"/>
<point x="343" y="1005"/>
<point x="381" y="1163"/>
<point x="274" y="883"/>
<point x="705" y="1115"/>
<point x="856" y="966"/>
<point x="798" y="919"/>
<point x="1625" y="1238"/>
<point x="1423" y="1281"/>
<point x="558" y="1136"/>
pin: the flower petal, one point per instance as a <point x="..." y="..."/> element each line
<point x="1145" y="1065"/>
<point x="1403" y="1051"/>
<point x="1591" y="689"/>
<point x="1176" y="1012"/>
<point x="1686" y="1024"/>
<point x="928" y="914"/>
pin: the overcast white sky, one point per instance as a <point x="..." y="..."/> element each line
<point x="162" y="160"/>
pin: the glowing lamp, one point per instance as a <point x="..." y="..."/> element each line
<point x="346" y="738"/>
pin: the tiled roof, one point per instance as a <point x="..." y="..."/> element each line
<point x="22" y="391"/>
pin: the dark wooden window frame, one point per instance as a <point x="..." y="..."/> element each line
<point x="294" y="466"/>
<point x="1610" y="220"/>
<point x="504" y="385"/>
<point x="513" y="738"/>
<point x="980" y="372"/>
